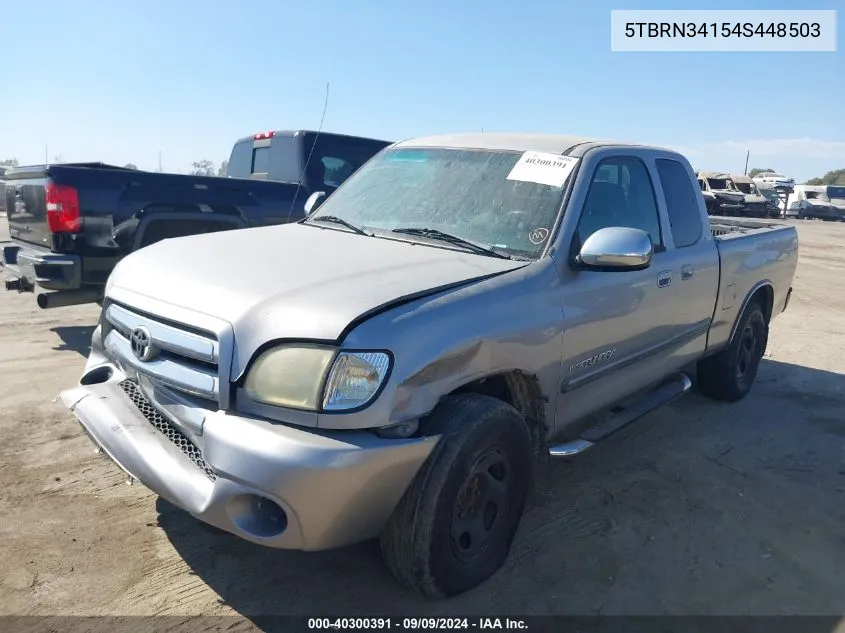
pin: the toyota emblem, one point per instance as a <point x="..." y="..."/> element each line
<point x="142" y="344"/>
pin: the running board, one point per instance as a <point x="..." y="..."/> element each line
<point x="676" y="386"/>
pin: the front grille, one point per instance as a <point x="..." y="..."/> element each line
<point x="181" y="357"/>
<point x="166" y="428"/>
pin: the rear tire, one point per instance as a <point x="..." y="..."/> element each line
<point x="454" y="526"/>
<point x="730" y="374"/>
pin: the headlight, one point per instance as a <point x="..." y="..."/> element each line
<point x="354" y="379"/>
<point x="308" y="376"/>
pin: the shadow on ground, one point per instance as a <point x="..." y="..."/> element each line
<point x="699" y="508"/>
<point x="74" y="338"/>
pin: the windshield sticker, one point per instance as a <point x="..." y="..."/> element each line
<point x="538" y="236"/>
<point x="543" y="169"/>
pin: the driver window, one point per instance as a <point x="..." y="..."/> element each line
<point x="621" y="194"/>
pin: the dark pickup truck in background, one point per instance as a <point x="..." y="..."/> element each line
<point x="71" y="223"/>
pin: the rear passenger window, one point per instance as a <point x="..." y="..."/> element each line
<point x="621" y="194"/>
<point x="681" y="202"/>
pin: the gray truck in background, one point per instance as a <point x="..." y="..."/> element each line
<point x="403" y="362"/>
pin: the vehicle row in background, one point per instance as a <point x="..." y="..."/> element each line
<point x="72" y="223"/>
<point x="738" y="196"/>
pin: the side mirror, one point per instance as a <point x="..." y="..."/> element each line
<point x="616" y="248"/>
<point x="314" y="201"/>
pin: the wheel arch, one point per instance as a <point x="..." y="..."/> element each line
<point x="521" y="390"/>
<point x="763" y="293"/>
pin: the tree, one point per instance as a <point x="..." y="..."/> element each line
<point x="10" y="162"/>
<point x="202" y="168"/>
<point x="757" y="170"/>
<point x="130" y="166"/>
<point x="835" y="177"/>
<point x="224" y="168"/>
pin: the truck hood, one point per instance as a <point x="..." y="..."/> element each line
<point x="294" y="281"/>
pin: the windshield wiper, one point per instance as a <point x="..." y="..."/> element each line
<point x="435" y="234"/>
<point x="336" y="220"/>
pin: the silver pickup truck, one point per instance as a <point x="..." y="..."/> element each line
<point x="403" y="362"/>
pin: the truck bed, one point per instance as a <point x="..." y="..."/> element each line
<point x="751" y="251"/>
<point x="728" y="228"/>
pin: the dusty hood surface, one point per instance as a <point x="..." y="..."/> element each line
<point x="294" y="281"/>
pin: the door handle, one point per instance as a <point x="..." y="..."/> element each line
<point x="687" y="272"/>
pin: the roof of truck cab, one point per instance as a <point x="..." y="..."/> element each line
<point x="292" y="133"/>
<point x="551" y="143"/>
<point x="745" y="179"/>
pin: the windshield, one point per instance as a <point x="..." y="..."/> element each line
<point x="836" y="192"/>
<point x="745" y="187"/>
<point x="465" y="193"/>
<point x="720" y="184"/>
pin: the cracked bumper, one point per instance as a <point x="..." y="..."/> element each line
<point x="333" y="488"/>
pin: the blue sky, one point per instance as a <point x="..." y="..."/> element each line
<point x="121" y="81"/>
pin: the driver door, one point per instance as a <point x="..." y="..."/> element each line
<point x="617" y="323"/>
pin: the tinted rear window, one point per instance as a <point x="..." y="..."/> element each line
<point x="279" y="161"/>
<point x="261" y="160"/>
<point x="240" y="161"/>
<point x="681" y="202"/>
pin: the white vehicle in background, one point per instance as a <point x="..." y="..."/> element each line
<point x="778" y="180"/>
<point x="824" y="202"/>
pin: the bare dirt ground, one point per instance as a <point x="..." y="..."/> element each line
<point x="700" y="508"/>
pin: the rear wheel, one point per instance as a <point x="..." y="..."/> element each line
<point x="454" y="526"/>
<point x="729" y="375"/>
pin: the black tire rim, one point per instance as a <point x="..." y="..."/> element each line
<point x="748" y="353"/>
<point x="482" y="504"/>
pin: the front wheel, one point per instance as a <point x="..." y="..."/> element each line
<point x="454" y="526"/>
<point x="729" y="375"/>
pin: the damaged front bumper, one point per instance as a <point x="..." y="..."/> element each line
<point x="273" y="484"/>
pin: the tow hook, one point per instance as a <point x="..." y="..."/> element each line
<point x="19" y="284"/>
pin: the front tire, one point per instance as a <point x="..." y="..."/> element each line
<point x="454" y="526"/>
<point x="730" y="374"/>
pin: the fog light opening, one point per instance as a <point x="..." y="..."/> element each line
<point x="97" y="375"/>
<point x="257" y="516"/>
